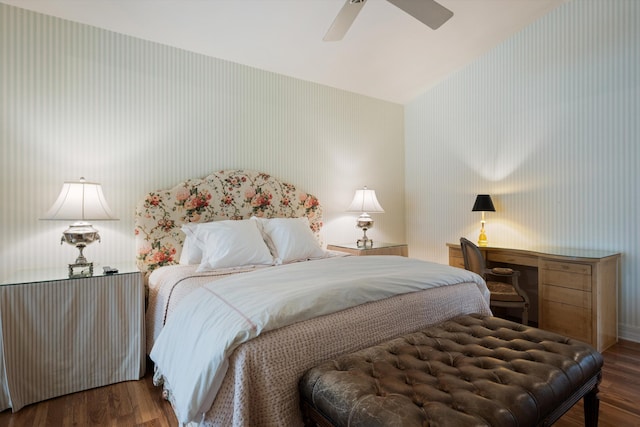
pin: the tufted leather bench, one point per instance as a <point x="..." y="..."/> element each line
<point x="468" y="371"/>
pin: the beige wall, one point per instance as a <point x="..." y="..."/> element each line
<point x="138" y="116"/>
<point x="547" y="123"/>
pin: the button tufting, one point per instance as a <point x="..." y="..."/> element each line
<point x="485" y="364"/>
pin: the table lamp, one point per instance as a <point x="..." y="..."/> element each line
<point x="365" y="202"/>
<point x="483" y="204"/>
<point x="80" y="201"/>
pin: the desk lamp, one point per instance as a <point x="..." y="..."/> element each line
<point x="483" y="204"/>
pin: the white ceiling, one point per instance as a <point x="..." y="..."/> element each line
<point x="386" y="54"/>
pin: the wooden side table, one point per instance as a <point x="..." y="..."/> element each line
<point x="399" y="249"/>
<point x="61" y="335"/>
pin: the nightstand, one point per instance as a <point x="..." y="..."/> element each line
<point x="61" y="335"/>
<point x="400" y="249"/>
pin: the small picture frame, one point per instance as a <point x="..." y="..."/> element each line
<point x="81" y="270"/>
<point x="366" y="244"/>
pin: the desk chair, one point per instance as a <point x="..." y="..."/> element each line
<point x="503" y="294"/>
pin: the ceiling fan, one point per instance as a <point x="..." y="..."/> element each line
<point x="428" y="12"/>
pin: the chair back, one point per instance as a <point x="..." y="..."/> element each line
<point x="473" y="259"/>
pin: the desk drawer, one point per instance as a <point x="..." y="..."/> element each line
<point x="568" y="267"/>
<point x="568" y="320"/>
<point x="574" y="276"/>
<point x="517" y="259"/>
<point x="567" y="296"/>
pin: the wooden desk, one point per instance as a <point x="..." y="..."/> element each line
<point x="576" y="290"/>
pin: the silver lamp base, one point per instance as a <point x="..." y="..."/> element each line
<point x="365" y="222"/>
<point x="80" y="234"/>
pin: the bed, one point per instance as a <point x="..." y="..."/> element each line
<point x="231" y="330"/>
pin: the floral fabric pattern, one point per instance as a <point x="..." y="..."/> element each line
<point x="227" y="194"/>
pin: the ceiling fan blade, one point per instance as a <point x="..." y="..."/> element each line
<point x="343" y="20"/>
<point x="429" y="12"/>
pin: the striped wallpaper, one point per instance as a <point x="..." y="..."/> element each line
<point x="547" y="123"/>
<point x="138" y="116"/>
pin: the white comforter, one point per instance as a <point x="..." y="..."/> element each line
<point x="191" y="353"/>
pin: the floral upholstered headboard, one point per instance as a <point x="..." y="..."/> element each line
<point x="226" y="194"/>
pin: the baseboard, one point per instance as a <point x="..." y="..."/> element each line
<point x="629" y="333"/>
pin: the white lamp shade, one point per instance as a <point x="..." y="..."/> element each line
<point x="80" y="201"/>
<point x="365" y="200"/>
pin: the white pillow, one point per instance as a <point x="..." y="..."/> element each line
<point x="191" y="252"/>
<point x="231" y="244"/>
<point x="290" y="239"/>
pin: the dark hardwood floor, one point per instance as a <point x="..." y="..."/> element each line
<point x="139" y="403"/>
<point x="619" y="390"/>
<point x="130" y="403"/>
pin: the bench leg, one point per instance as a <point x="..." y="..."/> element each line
<point x="591" y="407"/>
<point x="313" y="418"/>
